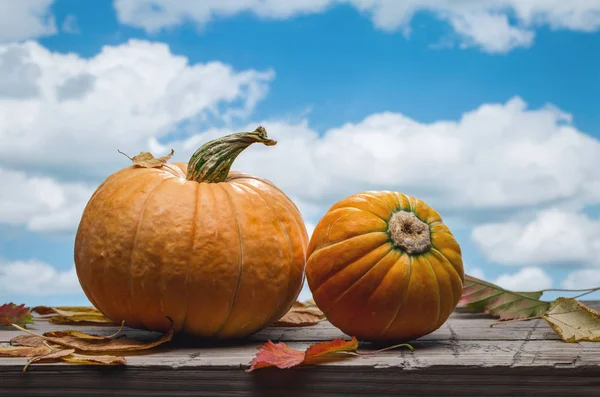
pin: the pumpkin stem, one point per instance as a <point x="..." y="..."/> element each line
<point x="409" y="233"/>
<point x="212" y="162"/>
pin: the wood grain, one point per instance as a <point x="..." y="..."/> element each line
<point x="464" y="357"/>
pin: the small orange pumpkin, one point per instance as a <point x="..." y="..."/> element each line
<point x="220" y="253"/>
<point x="383" y="267"/>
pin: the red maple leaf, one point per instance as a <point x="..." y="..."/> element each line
<point x="11" y="313"/>
<point x="280" y="355"/>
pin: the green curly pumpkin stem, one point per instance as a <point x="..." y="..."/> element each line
<point x="212" y="162"/>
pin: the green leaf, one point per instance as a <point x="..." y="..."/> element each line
<point x="483" y="297"/>
<point x="11" y="313"/>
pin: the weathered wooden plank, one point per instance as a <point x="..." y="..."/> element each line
<point x="464" y="357"/>
<point x="315" y="381"/>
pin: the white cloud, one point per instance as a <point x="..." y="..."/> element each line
<point x="585" y="278"/>
<point x="41" y="203"/>
<point x="36" y="278"/>
<point x="526" y="279"/>
<point x="495" y="160"/>
<point x="70" y="25"/>
<point x="553" y="237"/>
<point x="494" y="25"/>
<point x="57" y="110"/>
<point x="25" y="19"/>
<point x="476" y="272"/>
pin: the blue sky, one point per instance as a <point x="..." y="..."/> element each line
<point x="487" y="112"/>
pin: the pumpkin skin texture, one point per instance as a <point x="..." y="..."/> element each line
<point x="222" y="259"/>
<point x="383" y="267"/>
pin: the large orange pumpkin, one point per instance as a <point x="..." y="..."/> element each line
<point x="383" y="267"/>
<point x="220" y="253"/>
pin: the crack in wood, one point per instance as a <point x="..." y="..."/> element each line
<point x="454" y="346"/>
<point x="517" y="357"/>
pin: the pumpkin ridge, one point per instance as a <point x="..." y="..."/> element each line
<point x="380" y="200"/>
<point x="442" y="260"/>
<point x="361" y="209"/>
<point x="441" y="255"/>
<point x="316" y="288"/>
<point x="404" y="297"/>
<point x="187" y="275"/>
<point x="287" y="237"/>
<point x="361" y="277"/>
<point x="241" y="263"/>
<point x="135" y="234"/>
<point x="343" y="241"/>
<point x="100" y="207"/>
<point x="440" y="264"/>
<point x="439" y="293"/>
<point x="331" y="226"/>
<point x="385" y="275"/>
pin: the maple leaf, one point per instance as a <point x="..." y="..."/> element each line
<point x="11" y="313"/>
<point x="483" y="297"/>
<point x="300" y="315"/>
<point x="147" y="160"/>
<point x="73" y="315"/>
<point x="319" y="350"/>
<point x="280" y="355"/>
<point x="573" y="321"/>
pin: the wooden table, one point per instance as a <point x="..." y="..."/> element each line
<point x="465" y="357"/>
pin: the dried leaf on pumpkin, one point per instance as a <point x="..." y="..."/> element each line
<point x="11" y="313"/>
<point x="573" y="321"/>
<point x="147" y="160"/>
<point x="483" y="297"/>
<point x="300" y="315"/>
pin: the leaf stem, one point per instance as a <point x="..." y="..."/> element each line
<point x="514" y="320"/>
<point x="412" y="349"/>
<point x="588" y="292"/>
<point x="124" y="155"/>
<point x="569" y="290"/>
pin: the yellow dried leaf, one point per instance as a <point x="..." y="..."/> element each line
<point x="27" y="340"/>
<point x="147" y="160"/>
<point x="72" y="309"/>
<point x="573" y="321"/>
<point x="81" y="318"/>
<point x="300" y="315"/>
<point x="24" y="351"/>
<point x="77" y="358"/>
<point x="81" y="341"/>
<point x="73" y="315"/>
<point x="78" y="335"/>
<point x="51" y="357"/>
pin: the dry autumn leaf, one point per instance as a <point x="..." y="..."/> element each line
<point x="69" y="347"/>
<point x="483" y="297"/>
<point x="83" y="342"/>
<point x="317" y="351"/>
<point x="69" y="356"/>
<point x="280" y="355"/>
<point x="573" y="321"/>
<point x="11" y="313"/>
<point x="73" y="315"/>
<point x="147" y="160"/>
<point x="300" y="315"/>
